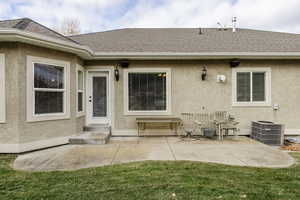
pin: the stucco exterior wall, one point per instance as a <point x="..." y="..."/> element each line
<point x="17" y="132"/>
<point x="9" y="131"/>
<point x="31" y="131"/>
<point x="191" y="94"/>
<point x="188" y="94"/>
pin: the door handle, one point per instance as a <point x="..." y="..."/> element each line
<point x="90" y="98"/>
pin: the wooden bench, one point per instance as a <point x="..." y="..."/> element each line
<point x="143" y="122"/>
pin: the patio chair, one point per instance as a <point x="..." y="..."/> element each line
<point x="229" y="124"/>
<point x="187" y="124"/>
<point x="202" y="121"/>
<point x="220" y="115"/>
<point x="220" y="118"/>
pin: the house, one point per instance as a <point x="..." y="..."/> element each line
<point x="51" y="86"/>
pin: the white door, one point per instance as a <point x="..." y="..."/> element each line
<point x="98" y="108"/>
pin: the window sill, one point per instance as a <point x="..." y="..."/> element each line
<point x="252" y="104"/>
<point x="47" y="117"/>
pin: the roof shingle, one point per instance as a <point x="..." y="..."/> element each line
<point x="188" y="40"/>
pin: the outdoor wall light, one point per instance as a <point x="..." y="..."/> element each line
<point x="235" y="63"/>
<point x="117" y="74"/>
<point x="204" y="73"/>
<point x="124" y="63"/>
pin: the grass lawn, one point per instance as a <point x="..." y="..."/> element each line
<point x="152" y="180"/>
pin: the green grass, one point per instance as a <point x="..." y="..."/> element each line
<point x="152" y="180"/>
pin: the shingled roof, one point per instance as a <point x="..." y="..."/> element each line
<point x="172" y="40"/>
<point x="29" y="25"/>
<point x="188" y="40"/>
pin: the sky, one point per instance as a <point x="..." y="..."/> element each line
<point x="101" y="15"/>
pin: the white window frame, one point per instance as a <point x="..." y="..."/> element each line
<point x="267" y="102"/>
<point x="2" y="89"/>
<point x="168" y="91"/>
<point x="31" y="116"/>
<point x="81" y="69"/>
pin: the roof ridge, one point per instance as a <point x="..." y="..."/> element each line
<point x="99" y="32"/>
<point x="13" y="19"/>
<point x="52" y="30"/>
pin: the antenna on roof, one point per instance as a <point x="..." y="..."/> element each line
<point x="221" y="27"/>
<point x="233" y="24"/>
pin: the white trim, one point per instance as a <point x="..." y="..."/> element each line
<point x="292" y="132"/>
<point x="81" y="113"/>
<point x="2" y="89"/>
<point x="111" y="88"/>
<point x="168" y="111"/>
<point x="268" y="88"/>
<point x="31" y="116"/>
<point x="87" y="53"/>
<point x="30" y="146"/>
<point x="124" y="132"/>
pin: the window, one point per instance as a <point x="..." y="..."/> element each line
<point x="47" y="89"/>
<point x="2" y="89"/>
<point x="147" y="91"/>
<point x="251" y="87"/>
<point x="80" y="91"/>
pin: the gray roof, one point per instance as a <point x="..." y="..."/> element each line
<point x="29" y="25"/>
<point x="188" y="40"/>
<point x="171" y="40"/>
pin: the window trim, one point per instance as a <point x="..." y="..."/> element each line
<point x="2" y="89"/>
<point x="267" y="102"/>
<point x="168" y="91"/>
<point x="80" y="113"/>
<point x="31" y="116"/>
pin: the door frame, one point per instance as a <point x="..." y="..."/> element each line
<point x="110" y="80"/>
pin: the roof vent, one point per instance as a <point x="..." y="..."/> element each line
<point x="200" y="31"/>
<point x="22" y="24"/>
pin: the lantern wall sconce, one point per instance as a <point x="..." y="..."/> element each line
<point x="204" y="73"/>
<point x="117" y="74"/>
<point x="122" y="64"/>
<point x="234" y="63"/>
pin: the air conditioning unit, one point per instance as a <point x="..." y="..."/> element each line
<point x="267" y="132"/>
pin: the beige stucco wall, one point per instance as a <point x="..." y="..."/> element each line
<point x="17" y="129"/>
<point x="47" y="129"/>
<point x="9" y="131"/>
<point x="191" y="94"/>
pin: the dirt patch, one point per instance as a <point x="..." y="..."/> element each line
<point x="291" y="147"/>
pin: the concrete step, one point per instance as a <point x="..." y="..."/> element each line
<point x="106" y="128"/>
<point x="90" y="138"/>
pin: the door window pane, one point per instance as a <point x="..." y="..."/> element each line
<point x="48" y="102"/>
<point x="99" y="97"/>
<point x="48" y="76"/>
<point x="243" y="87"/>
<point x="258" y="86"/>
<point x="80" y="102"/>
<point x="80" y="80"/>
<point x="147" y="91"/>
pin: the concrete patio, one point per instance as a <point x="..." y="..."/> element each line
<point x="239" y="151"/>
